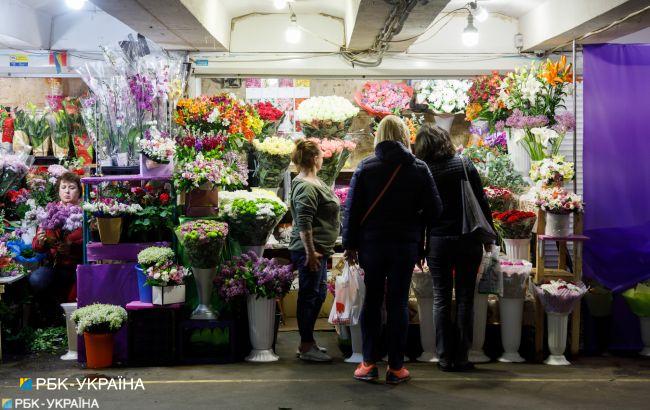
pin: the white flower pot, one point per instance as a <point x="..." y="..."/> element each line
<point x="427" y="331"/>
<point x="558" y="225"/>
<point x="261" y="326"/>
<point x="518" y="154"/>
<point x="357" y="345"/>
<point x="444" y="121"/>
<point x="68" y="308"/>
<point x="557" y="332"/>
<point x="257" y="249"/>
<point x="645" y="336"/>
<point x="511" y="311"/>
<point x="204" y="278"/>
<point x="167" y="295"/>
<point x="476" y="354"/>
<point x="517" y="249"/>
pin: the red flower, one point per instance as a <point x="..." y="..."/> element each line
<point x="137" y="191"/>
<point x="164" y="198"/>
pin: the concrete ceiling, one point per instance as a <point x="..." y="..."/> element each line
<point x="54" y="7"/>
<point x="516" y="8"/>
<point x="238" y="8"/>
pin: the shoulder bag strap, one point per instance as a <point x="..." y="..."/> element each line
<point x="462" y="161"/>
<point x="381" y="194"/>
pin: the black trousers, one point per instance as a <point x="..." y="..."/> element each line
<point x="454" y="264"/>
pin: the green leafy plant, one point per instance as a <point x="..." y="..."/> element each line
<point x="48" y="340"/>
<point x="35" y="125"/>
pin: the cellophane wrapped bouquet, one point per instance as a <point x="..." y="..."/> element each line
<point x="326" y="117"/>
<point x="202" y="241"/>
<point x="272" y="158"/>
<point x="559" y="296"/>
<point x="335" y="154"/>
<point x="638" y="299"/>
<point x="515" y="274"/>
<point x="13" y="168"/>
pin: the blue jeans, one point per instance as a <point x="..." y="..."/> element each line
<point x="388" y="267"/>
<point x="448" y="255"/>
<point x="311" y="294"/>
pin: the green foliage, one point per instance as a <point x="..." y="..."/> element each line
<point x="48" y="340"/>
<point x="495" y="168"/>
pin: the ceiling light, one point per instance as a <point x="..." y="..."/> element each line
<point x="280" y="4"/>
<point x="480" y="13"/>
<point x="75" y="4"/>
<point x="293" y="34"/>
<point x="470" y="34"/>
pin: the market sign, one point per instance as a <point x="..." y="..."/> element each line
<point x="18" y="60"/>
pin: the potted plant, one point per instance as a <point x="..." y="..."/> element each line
<point x="156" y="221"/>
<point x="252" y="216"/>
<point x="167" y="283"/>
<point x="156" y="153"/>
<point x="559" y="204"/>
<point x="202" y="242"/>
<point x="109" y="213"/>
<point x="98" y="324"/>
<point x="272" y="158"/>
<point x="261" y="281"/>
<point x="326" y="117"/>
<point x="515" y="227"/>
<point x="148" y="258"/>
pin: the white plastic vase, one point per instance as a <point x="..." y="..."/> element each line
<point x="557" y="333"/>
<point x="261" y="329"/>
<point x="558" y="224"/>
<point x="357" y="345"/>
<point x="518" y="154"/>
<point x="517" y="249"/>
<point x="71" y="354"/>
<point x="645" y="336"/>
<point x="203" y="279"/>
<point x="444" y="121"/>
<point x="427" y="331"/>
<point x="511" y="312"/>
<point x="476" y="354"/>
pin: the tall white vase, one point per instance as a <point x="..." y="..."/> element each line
<point x="645" y="336"/>
<point x="357" y="345"/>
<point x="517" y="248"/>
<point x="444" y="121"/>
<point x="261" y="329"/>
<point x="518" y="154"/>
<point x="204" y="279"/>
<point x="557" y="333"/>
<point x="68" y="308"/>
<point x="427" y="331"/>
<point x="476" y="354"/>
<point x="511" y="312"/>
<point x="257" y="249"/>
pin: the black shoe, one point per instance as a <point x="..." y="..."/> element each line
<point x="464" y="366"/>
<point x="445" y="366"/>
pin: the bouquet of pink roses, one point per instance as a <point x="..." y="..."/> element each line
<point x="335" y="154"/>
<point x="383" y="98"/>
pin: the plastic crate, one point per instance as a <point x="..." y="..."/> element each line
<point x="153" y="334"/>
<point x="206" y="341"/>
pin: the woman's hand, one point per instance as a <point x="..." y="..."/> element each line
<point x="41" y="236"/>
<point x="352" y="256"/>
<point x="313" y="261"/>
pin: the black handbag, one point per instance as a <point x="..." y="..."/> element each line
<point x="475" y="225"/>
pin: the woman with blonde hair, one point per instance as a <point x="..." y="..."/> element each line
<point x="392" y="202"/>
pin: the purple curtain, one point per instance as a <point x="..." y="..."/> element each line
<point x="617" y="175"/>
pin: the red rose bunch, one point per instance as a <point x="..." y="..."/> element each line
<point x="267" y="111"/>
<point x="514" y="224"/>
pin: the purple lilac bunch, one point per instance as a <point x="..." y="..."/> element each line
<point x="143" y="91"/>
<point x="518" y="120"/>
<point x="565" y="121"/>
<point x="57" y="216"/>
<point x="250" y="274"/>
<point x="496" y="140"/>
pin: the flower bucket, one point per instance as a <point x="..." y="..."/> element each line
<point x="144" y="290"/>
<point x="511" y="311"/>
<point x="203" y="201"/>
<point x="558" y="225"/>
<point x="151" y="168"/>
<point x="557" y="333"/>
<point x="357" y="345"/>
<point x="203" y="279"/>
<point x="99" y="350"/>
<point x="645" y="336"/>
<point x="517" y="249"/>
<point x="476" y="354"/>
<point x="261" y="320"/>
<point x="109" y="230"/>
<point x="444" y="121"/>
<point x="427" y="331"/>
<point x="167" y="295"/>
<point x="71" y="354"/>
<point x="517" y="152"/>
<point x="60" y="151"/>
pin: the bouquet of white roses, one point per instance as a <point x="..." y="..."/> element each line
<point x="272" y="158"/>
<point x="443" y="96"/>
<point x="552" y="171"/>
<point x="157" y="146"/>
<point x="324" y="117"/>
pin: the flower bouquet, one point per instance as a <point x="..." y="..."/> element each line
<point x="484" y="102"/>
<point x="271" y="116"/>
<point x="326" y="117"/>
<point x="252" y="216"/>
<point x="515" y="273"/>
<point x="559" y="204"/>
<point x="495" y="168"/>
<point x="443" y="96"/>
<point x="157" y="150"/>
<point x="167" y="282"/>
<point x="500" y="199"/>
<point x="272" y="158"/>
<point x="12" y="169"/>
<point x="109" y="213"/>
<point x="514" y="224"/>
<point x="8" y="267"/>
<point x="383" y="98"/>
<point x="554" y="171"/>
<point x="497" y="140"/>
<point x="210" y="145"/>
<point x="638" y="299"/>
<point x="97" y="323"/>
<point x="32" y="128"/>
<point x="153" y="257"/>
<point x="335" y="154"/>
<point x="59" y="216"/>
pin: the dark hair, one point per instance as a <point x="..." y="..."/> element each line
<point x="305" y="153"/>
<point x="432" y="143"/>
<point x="69" y="177"/>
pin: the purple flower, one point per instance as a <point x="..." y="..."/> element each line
<point x="565" y="121"/>
<point x="143" y="91"/>
<point x="518" y="120"/>
<point x="497" y="139"/>
<point x="61" y="216"/>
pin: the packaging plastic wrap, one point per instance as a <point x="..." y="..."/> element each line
<point x="638" y="298"/>
<point x="514" y="275"/>
<point x="559" y="299"/>
<point x="490" y="280"/>
<point x="422" y="284"/>
<point x="12" y="169"/>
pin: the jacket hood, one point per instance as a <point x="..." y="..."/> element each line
<point x="394" y="152"/>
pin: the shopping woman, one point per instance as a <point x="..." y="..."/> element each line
<point x="315" y="213"/>
<point x="450" y="251"/>
<point x="56" y="282"/>
<point x="392" y="200"/>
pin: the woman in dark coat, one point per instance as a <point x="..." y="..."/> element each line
<point x="391" y="202"/>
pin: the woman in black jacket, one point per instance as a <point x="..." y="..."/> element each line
<point x="392" y="200"/>
<point x="449" y="250"/>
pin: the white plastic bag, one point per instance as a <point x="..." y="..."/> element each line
<point x="349" y="291"/>
<point x="490" y="280"/>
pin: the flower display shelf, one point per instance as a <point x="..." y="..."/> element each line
<point x="127" y="252"/>
<point x="542" y="274"/>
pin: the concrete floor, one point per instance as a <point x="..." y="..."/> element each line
<point x="591" y="383"/>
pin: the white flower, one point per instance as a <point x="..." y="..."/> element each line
<point x="214" y="116"/>
<point x="332" y="108"/>
<point x="544" y="135"/>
